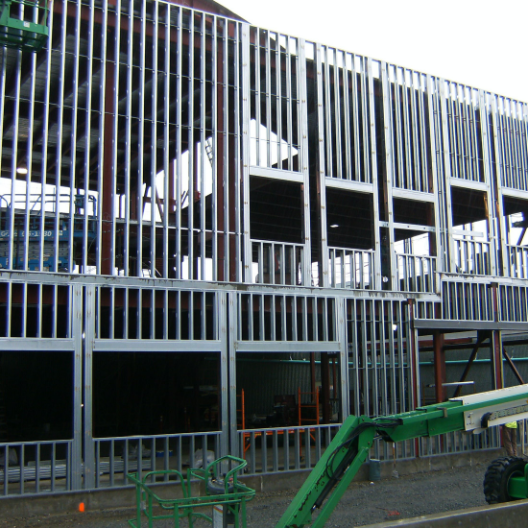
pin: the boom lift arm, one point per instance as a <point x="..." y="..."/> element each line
<point x="349" y="449"/>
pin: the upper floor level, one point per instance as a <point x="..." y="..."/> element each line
<point x="148" y="139"/>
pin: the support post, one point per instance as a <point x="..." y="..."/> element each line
<point x="439" y="367"/>
<point x="220" y="150"/>
<point x="106" y="253"/>
<point x="496" y="360"/>
<point x="231" y="361"/>
<point x="304" y="169"/>
<point x="343" y="358"/>
<point x="88" y="445"/>
<point x="496" y="346"/>
<point x="76" y="333"/>
<point x="414" y="354"/>
<point x="324" y="276"/>
<point x="245" y="235"/>
<point x="325" y="378"/>
<point x="224" y="374"/>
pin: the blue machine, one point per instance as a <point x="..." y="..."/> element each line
<point x="46" y="237"/>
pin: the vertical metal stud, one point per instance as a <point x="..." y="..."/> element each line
<point x="202" y="157"/>
<point x="370" y="133"/>
<point x="245" y="44"/>
<point x="87" y="397"/>
<point x="444" y="100"/>
<point x="303" y="160"/>
<point x="167" y="210"/>
<point x="388" y="167"/>
<point x="231" y="368"/>
<point x="76" y="300"/>
<point x="177" y="173"/>
<point x="324" y="279"/>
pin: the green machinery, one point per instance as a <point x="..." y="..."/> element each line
<point x="223" y="493"/>
<point x="24" y="24"/>
<point x="349" y="449"/>
<point x="506" y="478"/>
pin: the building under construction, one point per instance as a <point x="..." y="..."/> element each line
<point x="216" y="238"/>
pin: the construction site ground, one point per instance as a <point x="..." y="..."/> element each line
<point x="364" y="503"/>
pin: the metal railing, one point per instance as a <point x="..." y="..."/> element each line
<point x="174" y="314"/>
<point x="35" y="467"/>
<point x="47" y="467"/>
<point x="272" y="451"/>
<point x="284" y="449"/>
<point x="426" y="309"/>
<point x="115" y="457"/>
<point x="513" y="303"/>
<point x="518" y="261"/>
<point x="278" y="263"/>
<point x="277" y="317"/>
<point x="416" y="273"/>
<point x="472" y="257"/>
<point x="391" y="451"/>
<point x="446" y="444"/>
<point x="351" y="268"/>
<point x="467" y="301"/>
<point x="460" y="442"/>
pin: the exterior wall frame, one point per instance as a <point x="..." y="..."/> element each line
<point x="74" y="162"/>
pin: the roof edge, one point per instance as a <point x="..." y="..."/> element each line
<point x="209" y="6"/>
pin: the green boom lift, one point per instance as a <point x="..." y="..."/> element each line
<point x="24" y="24"/>
<point x="506" y="478"/>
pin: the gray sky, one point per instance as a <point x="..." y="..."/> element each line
<point x="480" y="43"/>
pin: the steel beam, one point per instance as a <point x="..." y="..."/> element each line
<point x="439" y="367"/>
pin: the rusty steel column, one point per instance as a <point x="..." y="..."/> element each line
<point x="496" y="360"/>
<point x="439" y="366"/>
<point x="496" y="346"/>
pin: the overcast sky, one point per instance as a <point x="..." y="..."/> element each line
<point x="480" y="43"/>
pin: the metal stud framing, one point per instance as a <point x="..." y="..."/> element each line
<point x="127" y="149"/>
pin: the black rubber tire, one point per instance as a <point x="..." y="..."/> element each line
<point x="498" y="475"/>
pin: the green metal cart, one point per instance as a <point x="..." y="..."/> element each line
<point x="222" y="491"/>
